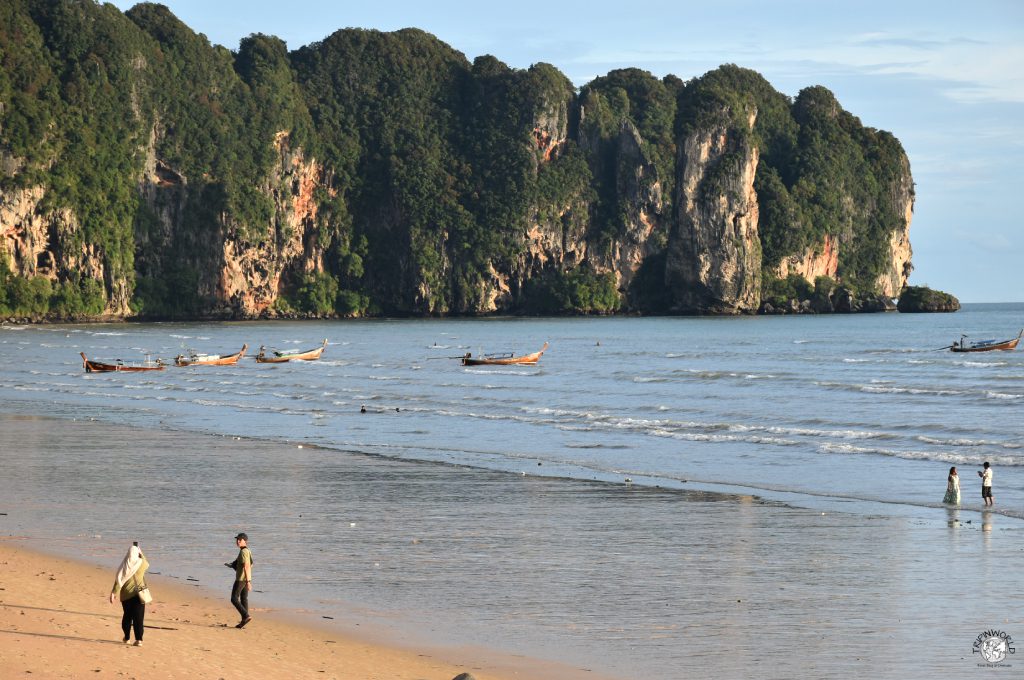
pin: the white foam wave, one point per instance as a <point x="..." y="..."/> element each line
<point x="942" y="456"/>
<point x="892" y="389"/>
<point x="839" y="434"/>
<point x="722" y="438"/>
<point x="967" y="442"/>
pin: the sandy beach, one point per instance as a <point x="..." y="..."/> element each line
<point x="56" y="622"/>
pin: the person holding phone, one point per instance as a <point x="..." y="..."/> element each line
<point x="986" y="484"/>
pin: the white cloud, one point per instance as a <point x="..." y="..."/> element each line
<point x="977" y="70"/>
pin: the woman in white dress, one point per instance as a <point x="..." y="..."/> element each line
<point x="952" y="488"/>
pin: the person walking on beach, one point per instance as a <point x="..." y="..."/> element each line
<point x="986" y="484"/>
<point x="243" y="579"/>
<point x="952" y="488"/>
<point x="130" y="579"/>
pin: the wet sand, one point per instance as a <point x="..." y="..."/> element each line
<point x="55" y="622"/>
<point x="614" y="581"/>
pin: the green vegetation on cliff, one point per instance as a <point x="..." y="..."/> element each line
<point x="438" y="185"/>
<point x="821" y="172"/>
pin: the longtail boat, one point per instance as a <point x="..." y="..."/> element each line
<point x="195" y="359"/>
<point x="120" y="366"/>
<point x="503" y="359"/>
<point x="281" y="356"/>
<point x="985" y="345"/>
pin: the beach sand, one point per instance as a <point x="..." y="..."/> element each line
<point x="56" y="622"/>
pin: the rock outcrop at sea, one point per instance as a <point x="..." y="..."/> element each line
<point x="924" y="299"/>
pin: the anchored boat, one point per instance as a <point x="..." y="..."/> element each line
<point x="195" y="359"/>
<point x="281" y="356"/>
<point x="119" y="366"/>
<point x="503" y="359"/>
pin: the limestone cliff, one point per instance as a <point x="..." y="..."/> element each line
<point x="819" y="260"/>
<point x="250" y="279"/>
<point x="639" y="187"/>
<point x="44" y="242"/>
<point x="898" y="262"/>
<point x="714" y="255"/>
<point x="556" y="235"/>
<point x="240" y="270"/>
<point x="147" y="172"/>
<point x="26" y="233"/>
<point x="822" y="259"/>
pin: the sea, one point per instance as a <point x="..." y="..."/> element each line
<point x="659" y="497"/>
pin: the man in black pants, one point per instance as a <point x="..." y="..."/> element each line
<point x="243" y="579"/>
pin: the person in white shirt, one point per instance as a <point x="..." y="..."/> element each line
<point x="986" y="484"/>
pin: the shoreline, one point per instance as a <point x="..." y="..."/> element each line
<point x="59" y="624"/>
<point x="830" y="501"/>
<point x="441" y="563"/>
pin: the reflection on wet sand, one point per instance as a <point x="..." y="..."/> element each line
<point x="634" y="582"/>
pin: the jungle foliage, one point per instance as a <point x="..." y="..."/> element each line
<point x="437" y="166"/>
<point x="580" y="291"/>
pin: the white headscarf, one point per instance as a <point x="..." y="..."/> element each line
<point x="129" y="565"/>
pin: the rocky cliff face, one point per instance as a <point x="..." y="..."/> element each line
<point x="899" y="266"/>
<point x="823" y="259"/>
<point x="566" y="239"/>
<point x="714" y="255"/>
<point x="250" y="278"/>
<point x="46" y="242"/>
<point x="26" y="233"/>
<point x="640" y="190"/>
<point x="240" y="270"/>
<point x="820" y="260"/>
<point x="552" y="241"/>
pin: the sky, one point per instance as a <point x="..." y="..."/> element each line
<point x="946" y="78"/>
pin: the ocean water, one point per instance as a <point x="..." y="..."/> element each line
<point x="653" y="490"/>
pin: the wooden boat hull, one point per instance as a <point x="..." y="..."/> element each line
<point x="222" y="360"/>
<point x="989" y="346"/>
<point x="505" y="361"/>
<point x="100" y="367"/>
<point x="309" y="355"/>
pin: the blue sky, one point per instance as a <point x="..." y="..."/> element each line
<point x="947" y="78"/>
